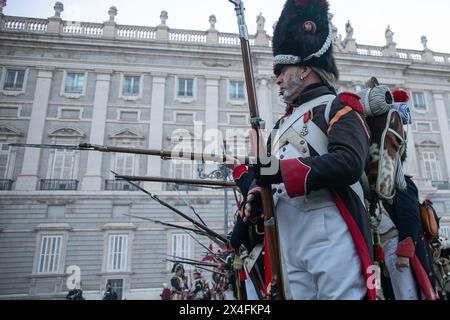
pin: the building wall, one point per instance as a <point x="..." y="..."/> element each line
<point x="88" y="215"/>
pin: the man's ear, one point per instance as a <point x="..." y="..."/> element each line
<point x="305" y="72"/>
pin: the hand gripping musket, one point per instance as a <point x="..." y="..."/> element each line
<point x="217" y="238"/>
<point x="257" y="125"/>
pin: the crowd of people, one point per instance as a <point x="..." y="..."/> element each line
<point x="220" y="288"/>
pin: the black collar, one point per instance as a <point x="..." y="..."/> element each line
<point x="311" y="92"/>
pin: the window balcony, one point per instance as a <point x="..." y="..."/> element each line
<point x="119" y="185"/>
<point x="58" y="184"/>
<point x="6" y="184"/>
<point x="441" y="185"/>
<point x="181" y="187"/>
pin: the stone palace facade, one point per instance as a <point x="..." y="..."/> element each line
<point x="64" y="82"/>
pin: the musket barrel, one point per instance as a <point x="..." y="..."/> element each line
<point x="180" y="181"/>
<point x="176" y="154"/>
<point x="257" y="124"/>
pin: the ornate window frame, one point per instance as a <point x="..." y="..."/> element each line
<point x="13" y="93"/>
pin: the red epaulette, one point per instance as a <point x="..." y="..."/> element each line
<point x="239" y="171"/>
<point x="352" y="100"/>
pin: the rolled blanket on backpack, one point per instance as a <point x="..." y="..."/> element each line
<point x="376" y="101"/>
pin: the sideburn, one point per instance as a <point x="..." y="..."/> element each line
<point x="296" y="86"/>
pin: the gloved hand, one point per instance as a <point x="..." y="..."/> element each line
<point x="253" y="206"/>
<point x="401" y="263"/>
<point x="268" y="174"/>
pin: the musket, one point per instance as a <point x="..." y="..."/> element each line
<point x="206" y="248"/>
<point x="167" y="224"/>
<point x="257" y="124"/>
<point x="196" y="265"/>
<point x="203" y="183"/>
<point x="221" y="240"/>
<point x="192" y="208"/>
<point x="200" y="263"/>
<point x="212" y="271"/>
<point x="164" y="154"/>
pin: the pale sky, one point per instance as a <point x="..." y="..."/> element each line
<point x="409" y="19"/>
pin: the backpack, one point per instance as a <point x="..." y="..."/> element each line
<point x="388" y="144"/>
<point x="429" y="220"/>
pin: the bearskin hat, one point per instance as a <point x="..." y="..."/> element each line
<point x="303" y="31"/>
<point x="176" y="267"/>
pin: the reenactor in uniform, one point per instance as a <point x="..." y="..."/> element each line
<point x="407" y="254"/>
<point x="198" y="293"/>
<point x="177" y="283"/>
<point x="319" y="153"/>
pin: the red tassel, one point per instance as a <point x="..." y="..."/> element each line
<point x="400" y="95"/>
<point x="378" y="253"/>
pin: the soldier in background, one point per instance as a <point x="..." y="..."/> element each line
<point x="177" y="283"/>
<point x="110" y="294"/>
<point x="75" y="294"/>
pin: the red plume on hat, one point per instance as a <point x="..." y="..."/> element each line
<point x="302" y="30"/>
<point x="400" y="96"/>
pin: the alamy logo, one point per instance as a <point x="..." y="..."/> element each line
<point x="374" y="279"/>
<point x="74" y="279"/>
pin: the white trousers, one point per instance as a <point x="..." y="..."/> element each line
<point x="403" y="282"/>
<point x="319" y="256"/>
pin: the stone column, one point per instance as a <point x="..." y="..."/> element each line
<point x="439" y="101"/>
<point x="92" y="181"/>
<point x="156" y="128"/>
<point x="212" y="139"/>
<point x="411" y="165"/>
<point x="28" y="179"/>
<point x="264" y="95"/>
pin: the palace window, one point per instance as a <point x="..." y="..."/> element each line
<point x="50" y="254"/>
<point x="117" y="257"/>
<point x="181" y="245"/>
<point x="74" y="83"/>
<point x="236" y="90"/>
<point x="185" y="88"/>
<point x="14" y="80"/>
<point x="124" y="164"/>
<point x="182" y="169"/>
<point x="131" y="86"/>
<point x="5" y="153"/>
<point x="63" y="164"/>
<point x="419" y="101"/>
<point x="432" y="168"/>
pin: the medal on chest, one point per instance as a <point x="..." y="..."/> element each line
<point x="306" y="118"/>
